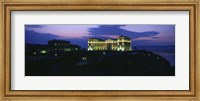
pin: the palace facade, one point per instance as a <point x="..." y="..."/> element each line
<point x="122" y="43"/>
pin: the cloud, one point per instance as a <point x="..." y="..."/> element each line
<point x="117" y="30"/>
<point x="68" y="30"/>
<point x="38" y="38"/>
<point x="154" y="37"/>
<point x="34" y="26"/>
<point x="33" y="37"/>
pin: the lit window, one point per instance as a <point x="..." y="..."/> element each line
<point x="84" y="58"/>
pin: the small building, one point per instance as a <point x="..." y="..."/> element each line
<point x="54" y="46"/>
<point x="122" y="43"/>
<point x="62" y="46"/>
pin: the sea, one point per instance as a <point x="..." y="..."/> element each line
<point x="167" y="52"/>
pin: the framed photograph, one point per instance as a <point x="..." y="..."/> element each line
<point x="100" y="49"/>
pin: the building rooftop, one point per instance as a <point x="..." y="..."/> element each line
<point x="121" y="36"/>
<point x="97" y="39"/>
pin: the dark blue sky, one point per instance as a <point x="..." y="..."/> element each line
<point x="141" y="35"/>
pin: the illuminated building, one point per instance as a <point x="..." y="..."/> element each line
<point x="122" y="43"/>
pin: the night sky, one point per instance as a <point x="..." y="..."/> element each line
<point x="141" y="35"/>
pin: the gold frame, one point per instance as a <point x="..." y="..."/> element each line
<point x="20" y="5"/>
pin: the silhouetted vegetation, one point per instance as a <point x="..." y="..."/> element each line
<point x="98" y="63"/>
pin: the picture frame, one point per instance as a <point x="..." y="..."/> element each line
<point x="118" y="5"/>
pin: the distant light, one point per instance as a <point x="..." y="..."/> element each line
<point x="84" y="58"/>
<point x="67" y="49"/>
<point x="104" y="53"/>
<point x="43" y="51"/>
<point x="157" y="57"/>
<point x="34" y="53"/>
<point x="55" y="54"/>
<point x="149" y="54"/>
<point x="90" y="49"/>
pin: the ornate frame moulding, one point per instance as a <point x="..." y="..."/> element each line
<point x="119" y="5"/>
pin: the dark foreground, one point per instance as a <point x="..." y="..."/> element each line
<point x="83" y="63"/>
